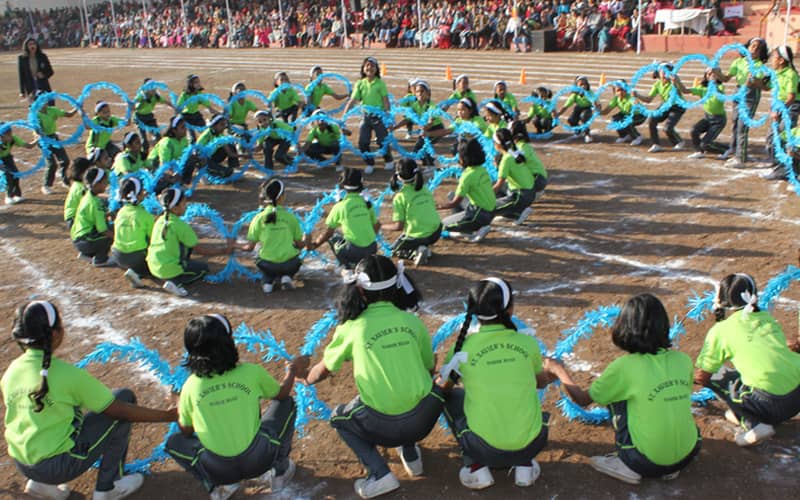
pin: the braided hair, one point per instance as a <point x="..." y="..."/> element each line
<point x="407" y="171"/>
<point x="170" y="198"/>
<point x="503" y="137"/>
<point x="130" y="189"/>
<point x="270" y="191"/>
<point x="490" y="300"/>
<point x="730" y="294"/>
<point x="33" y="328"/>
<point x="519" y="131"/>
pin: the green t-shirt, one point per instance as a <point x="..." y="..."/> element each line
<point x="499" y="378"/>
<point x="237" y="112"/>
<point x="100" y="139"/>
<point x="657" y="389"/>
<point x="168" y="149"/>
<point x="370" y="93"/>
<point x="318" y="93"/>
<point x="74" y="195"/>
<point x="90" y="216"/>
<point x="476" y="186"/>
<point x="208" y="136"/>
<point x="458" y="95"/>
<point x="538" y="110"/>
<point x="132" y="228"/>
<point x="328" y="137"/>
<point x="5" y="149"/>
<point x="417" y="210"/>
<point x="787" y="83"/>
<point x="48" y="117"/>
<point x="421" y="109"/>
<point x="662" y="89"/>
<point x="491" y="128"/>
<point x="33" y="437"/>
<point x="579" y="100"/>
<point x="225" y="410"/>
<point x="276" y="239"/>
<point x="355" y="218"/>
<point x="144" y="104"/>
<point x="625" y="105"/>
<point x="510" y="101"/>
<point x="164" y="253"/>
<point x="276" y="125"/>
<point x="517" y="175"/>
<point x="192" y="107"/>
<point x="714" y="105"/>
<point x="756" y="347"/>
<point x="391" y="354"/>
<point x="285" y="99"/>
<point x="476" y="120"/>
<point x="741" y="70"/>
<point x="532" y="160"/>
<point x="127" y="163"/>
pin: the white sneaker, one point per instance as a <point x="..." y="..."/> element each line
<point x="525" y="476"/>
<point x="175" y="289"/>
<point x="123" y="487"/>
<point x="480" y="234"/>
<point x="371" y="487"/>
<point x="680" y="146"/>
<point x="9" y="200"/>
<point x="523" y="216"/>
<point x="623" y="140"/>
<point x="637" y="141"/>
<point x="731" y="417"/>
<point x="389" y="165"/>
<point x="414" y="467"/>
<point x="587" y="138"/>
<point x="368" y="169"/>
<point x="224" y="492"/>
<point x="727" y="154"/>
<point x="18" y="199"/>
<point x="696" y="155"/>
<point x="133" y="278"/>
<point x="420" y="256"/>
<point x="755" y="435"/>
<point x="734" y="163"/>
<point x="478" y="480"/>
<point x="655" y="148"/>
<point x="267" y="287"/>
<point x="282" y="481"/>
<point x="287" y="283"/>
<point x="46" y="491"/>
<point x="46" y="190"/>
<point x="611" y="465"/>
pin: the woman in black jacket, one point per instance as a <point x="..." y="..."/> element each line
<point x="34" y="69"/>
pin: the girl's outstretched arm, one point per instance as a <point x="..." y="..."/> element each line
<point x="553" y="368"/>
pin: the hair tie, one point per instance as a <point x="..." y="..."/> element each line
<point x="137" y="188"/>
<point x="751" y="300"/>
<point x="402" y="280"/>
<point x="43" y="373"/>
<point x="101" y="173"/>
<point x="236" y="86"/>
<point x="364" y="281"/>
<point x="222" y="319"/>
<point x="506" y="296"/>
<point x="49" y="309"/>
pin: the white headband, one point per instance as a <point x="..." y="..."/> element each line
<point x="466" y="102"/>
<point x="176" y="120"/>
<point x="506" y="296"/>
<point x="235" y="86"/>
<point x="784" y="53"/>
<point x="494" y="109"/>
<point x="129" y="137"/>
<point x="100" y="175"/>
<point x="399" y="280"/>
<point x="216" y="119"/>
<point x="137" y="188"/>
<point x="48" y="309"/>
<point x="461" y="77"/>
<point x="100" y="105"/>
<point x="263" y="113"/>
<point x="501" y="82"/>
<point x="176" y="199"/>
<point x="312" y="70"/>
<point x="222" y="319"/>
<point x="95" y="156"/>
<point x="280" y="183"/>
<point x="422" y="83"/>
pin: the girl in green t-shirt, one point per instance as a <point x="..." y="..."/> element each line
<point x="763" y="389"/>
<point x="414" y="213"/>
<point x="390" y="349"/>
<point x="191" y="113"/>
<point x="514" y="173"/>
<point x="132" y="158"/>
<point x="502" y="94"/>
<point x="538" y="114"/>
<point x="224" y="436"/>
<point x="278" y="232"/>
<point x="323" y="139"/>
<point x="623" y="103"/>
<point x="495" y="427"/>
<point x="466" y="112"/>
<point x="50" y="438"/>
<point x="473" y="202"/>
<point x="287" y="102"/>
<point x="77" y="189"/>
<point x="144" y="104"/>
<point x="705" y="131"/>
<point x="319" y="91"/>
<point x="238" y="109"/>
<point x="102" y="139"/>
<point x="90" y="232"/>
<point x="582" y="108"/>
<point x="648" y="393"/>
<point x="170" y="148"/>
<point x="132" y="229"/>
<point x="422" y="105"/>
<point x="9" y="167"/>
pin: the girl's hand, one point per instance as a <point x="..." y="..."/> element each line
<point x="553" y="366"/>
<point x="299" y="366"/>
<point x="774" y="116"/>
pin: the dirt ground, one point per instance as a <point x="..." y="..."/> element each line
<point x="614" y="222"/>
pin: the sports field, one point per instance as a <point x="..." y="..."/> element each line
<point x="615" y="221"/>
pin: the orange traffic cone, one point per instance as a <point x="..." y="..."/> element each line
<point x="448" y="73"/>
<point x="602" y="79"/>
<point x="383" y="69"/>
<point x="522" y="79"/>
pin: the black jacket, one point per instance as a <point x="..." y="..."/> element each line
<point x="28" y="83"/>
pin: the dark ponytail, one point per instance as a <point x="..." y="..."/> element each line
<point x="407" y="171"/>
<point x="519" y="132"/>
<point x="170" y="198"/>
<point x="503" y="137"/>
<point x="729" y="294"/>
<point x="33" y="327"/>
<point x="462" y="334"/>
<point x="271" y="190"/>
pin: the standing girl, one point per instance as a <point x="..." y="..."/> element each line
<point x="143" y="106"/>
<point x="224" y="437"/>
<point x="513" y="171"/>
<point x="7" y="141"/>
<point x="397" y="404"/>
<point x="172" y="243"/>
<point x="648" y="392"/>
<point x="287" y="102"/>
<point x="356" y="218"/>
<point x="238" y="109"/>
<point x="492" y="431"/>
<point x="279" y="235"/>
<point x="623" y="102"/>
<point x="90" y="233"/>
<point x="414" y="213"/>
<point x="76" y="189"/>
<point x="58" y="159"/>
<point x="473" y="201"/>
<point x="582" y="110"/>
<point x="709" y="127"/>
<point x="783" y="63"/>
<point x="132" y="229"/>
<point x="49" y="437"/>
<point x="371" y="91"/>
<point x="190" y="111"/>
<point x="315" y="93"/>
<point x="763" y="389"/>
<point x="663" y="88"/>
<point x="34" y="68"/>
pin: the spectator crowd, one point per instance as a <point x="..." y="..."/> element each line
<point x="592" y="25"/>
